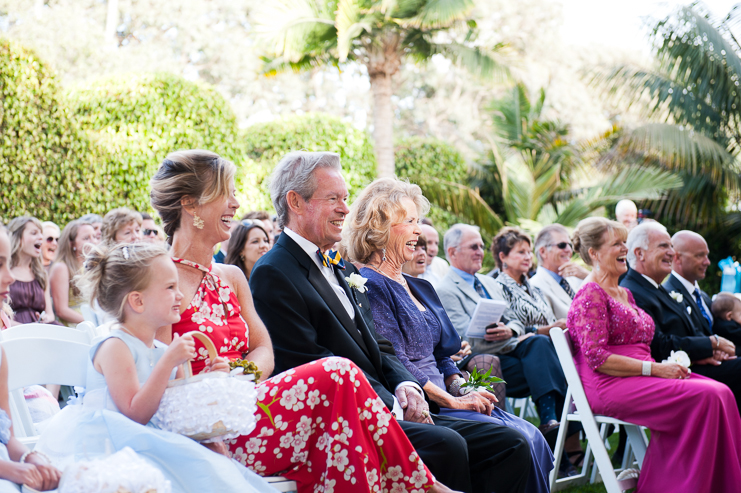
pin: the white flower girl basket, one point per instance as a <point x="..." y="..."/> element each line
<point x="208" y="406"/>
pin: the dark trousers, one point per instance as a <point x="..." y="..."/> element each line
<point x="533" y="369"/>
<point x="472" y="456"/>
<point x="729" y="373"/>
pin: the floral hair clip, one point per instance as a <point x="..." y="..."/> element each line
<point x="126" y="253"/>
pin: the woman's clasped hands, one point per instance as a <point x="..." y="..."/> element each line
<point x="480" y="401"/>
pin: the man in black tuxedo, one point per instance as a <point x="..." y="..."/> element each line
<point x="651" y="257"/>
<point x="311" y="313"/>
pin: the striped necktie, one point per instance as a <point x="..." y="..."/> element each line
<point x="567" y="287"/>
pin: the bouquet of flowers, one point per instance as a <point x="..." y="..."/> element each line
<point x="480" y="381"/>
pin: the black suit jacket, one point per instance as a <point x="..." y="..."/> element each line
<point x="674" y="284"/>
<point x="307" y="321"/>
<point x="674" y="329"/>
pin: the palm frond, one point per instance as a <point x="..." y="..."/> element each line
<point x="478" y="61"/>
<point x="634" y="182"/>
<point x="436" y="14"/>
<point x="462" y="201"/>
<point x="350" y="24"/>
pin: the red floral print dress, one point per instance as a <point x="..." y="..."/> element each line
<point x="320" y="424"/>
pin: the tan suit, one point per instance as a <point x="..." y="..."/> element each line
<point x="553" y="293"/>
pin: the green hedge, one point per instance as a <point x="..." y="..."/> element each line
<point x="266" y="143"/>
<point x="45" y="160"/>
<point x="139" y="119"/>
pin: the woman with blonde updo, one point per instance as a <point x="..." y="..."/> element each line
<point x="691" y="417"/>
<point x="309" y="417"/>
<point x="128" y="372"/>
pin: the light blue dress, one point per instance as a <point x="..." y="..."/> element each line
<point x="5" y="485"/>
<point x="93" y="427"/>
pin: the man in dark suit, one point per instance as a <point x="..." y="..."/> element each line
<point x="651" y="256"/>
<point x="311" y="313"/>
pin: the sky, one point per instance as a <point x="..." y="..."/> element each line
<point x="620" y="23"/>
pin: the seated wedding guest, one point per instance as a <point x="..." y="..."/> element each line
<point x="727" y="317"/>
<point x="611" y="336"/>
<point x="302" y="294"/>
<point x="29" y="294"/>
<point x="626" y="213"/>
<point x="689" y="265"/>
<point x="651" y="257"/>
<point x="436" y="267"/>
<point x="265" y="218"/>
<point x="70" y="254"/>
<point x="557" y="276"/>
<point x="248" y="242"/>
<point x="529" y="362"/>
<point x="417" y="265"/>
<point x="51" y="234"/>
<point x="149" y="231"/>
<point x="328" y="411"/>
<point x="96" y="221"/>
<point x="128" y="372"/>
<point x="408" y="313"/>
<point x="18" y="465"/>
<point x="121" y="225"/>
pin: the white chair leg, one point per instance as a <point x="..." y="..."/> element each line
<point x="560" y="440"/>
<point x="637" y="440"/>
<point x="601" y="457"/>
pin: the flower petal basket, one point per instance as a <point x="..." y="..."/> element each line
<point x="208" y="406"/>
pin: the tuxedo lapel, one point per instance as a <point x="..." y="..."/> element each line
<point x="696" y="316"/>
<point x="326" y="292"/>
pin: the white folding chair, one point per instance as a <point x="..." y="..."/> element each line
<point x="576" y="408"/>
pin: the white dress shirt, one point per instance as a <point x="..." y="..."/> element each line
<point x="327" y="272"/>
<point x="691" y="290"/>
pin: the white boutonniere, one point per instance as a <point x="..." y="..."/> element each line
<point x="357" y="281"/>
<point x="678" y="357"/>
<point x="677" y="296"/>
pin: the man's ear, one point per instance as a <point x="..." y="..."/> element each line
<point x="135" y="301"/>
<point x="295" y="202"/>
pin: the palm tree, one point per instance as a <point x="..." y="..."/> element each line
<point x="379" y="34"/>
<point x="692" y="101"/>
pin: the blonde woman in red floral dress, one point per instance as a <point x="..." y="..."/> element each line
<point x="320" y="424"/>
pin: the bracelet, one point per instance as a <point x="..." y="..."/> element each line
<point x="455" y="387"/>
<point x="717" y="341"/>
<point x="646" y="369"/>
<point x="37" y="452"/>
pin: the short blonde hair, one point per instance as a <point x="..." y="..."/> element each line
<point x="592" y="233"/>
<point x="116" y="220"/>
<point x="374" y="212"/>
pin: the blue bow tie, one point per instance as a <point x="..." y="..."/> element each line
<point x="332" y="257"/>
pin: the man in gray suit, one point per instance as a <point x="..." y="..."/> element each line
<point x="557" y="276"/>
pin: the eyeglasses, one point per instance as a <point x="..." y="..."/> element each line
<point x="148" y="232"/>
<point x="51" y="239"/>
<point x="561" y="245"/>
<point x="475" y="247"/>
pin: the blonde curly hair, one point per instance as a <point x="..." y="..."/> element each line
<point x="379" y="206"/>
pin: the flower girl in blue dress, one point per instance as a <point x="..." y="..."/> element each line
<point x="128" y="372"/>
<point x="17" y="464"/>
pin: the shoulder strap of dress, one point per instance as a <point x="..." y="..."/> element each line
<point x="190" y="263"/>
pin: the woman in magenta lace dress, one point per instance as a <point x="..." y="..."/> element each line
<point x="320" y="424"/>
<point x="695" y="426"/>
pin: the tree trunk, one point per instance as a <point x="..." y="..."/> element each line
<point x="383" y="61"/>
<point x="383" y="124"/>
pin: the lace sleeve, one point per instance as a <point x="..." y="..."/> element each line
<point x="587" y="321"/>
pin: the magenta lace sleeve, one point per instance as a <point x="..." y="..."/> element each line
<point x="588" y="323"/>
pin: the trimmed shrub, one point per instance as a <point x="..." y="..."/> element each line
<point x="139" y="119"/>
<point x="266" y="143"/>
<point x="46" y="163"/>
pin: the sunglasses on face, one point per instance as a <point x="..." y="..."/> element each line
<point x="475" y="247"/>
<point x="562" y="245"/>
<point x="51" y="239"/>
<point x="148" y="232"/>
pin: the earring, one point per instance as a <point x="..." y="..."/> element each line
<point x="504" y="265"/>
<point x="197" y="221"/>
<point x="596" y="267"/>
<point x="383" y="251"/>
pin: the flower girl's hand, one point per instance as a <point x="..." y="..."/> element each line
<point x="219" y="364"/>
<point x="50" y="475"/>
<point x="181" y="349"/>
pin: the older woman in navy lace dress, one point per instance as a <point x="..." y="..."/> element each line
<point x="382" y="230"/>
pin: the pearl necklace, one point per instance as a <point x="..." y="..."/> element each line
<point x="403" y="281"/>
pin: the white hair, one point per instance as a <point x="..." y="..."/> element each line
<point x="452" y="238"/>
<point x="638" y="238"/>
<point x="625" y="205"/>
<point x="545" y="236"/>
<point x="296" y="172"/>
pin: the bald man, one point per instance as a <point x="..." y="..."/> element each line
<point x="626" y="213"/>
